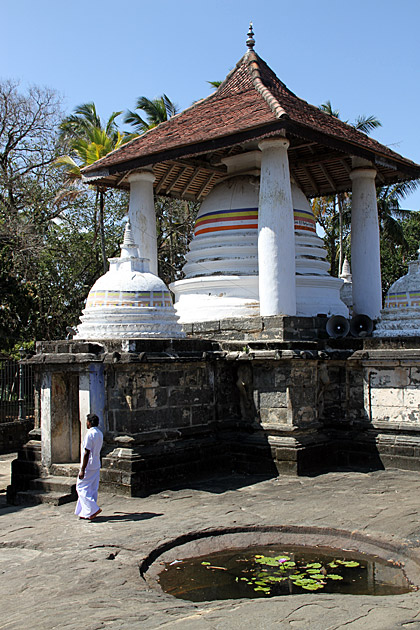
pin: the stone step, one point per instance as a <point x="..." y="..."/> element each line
<point x="54" y="484"/>
<point x="35" y="497"/>
<point x="65" y="470"/>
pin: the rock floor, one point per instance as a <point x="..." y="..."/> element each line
<point x="60" y="572"/>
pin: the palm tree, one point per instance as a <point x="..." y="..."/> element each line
<point x="389" y="211"/>
<point x="157" y="110"/>
<point x="88" y="140"/>
<point x="365" y="124"/>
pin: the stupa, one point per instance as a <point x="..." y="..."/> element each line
<point x="346" y="291"/>
<point x="400" y="316"/>
<point x="221" y="273"/>
<point x="129" y="302"/>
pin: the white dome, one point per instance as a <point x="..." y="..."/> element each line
<point x="128" y="302"/>
<point x="400" y="316"/>
<point x="221" y="272"/>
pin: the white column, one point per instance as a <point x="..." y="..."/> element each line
<point x="365" y="249"/>
<point x="46" y="446"/>
<point x="92" y="396"/>
<point x="276" y="233"/>
<point x="141" y="212"/>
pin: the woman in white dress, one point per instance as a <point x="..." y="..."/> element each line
<point x="88" y="479"/>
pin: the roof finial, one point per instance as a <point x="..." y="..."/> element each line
<point x="250" y="42"/>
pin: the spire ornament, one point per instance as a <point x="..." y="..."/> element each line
<point x="250" y="42"/>
<point x="128" y="234"/>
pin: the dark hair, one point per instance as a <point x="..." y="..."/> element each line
<point x="93" y="419"/>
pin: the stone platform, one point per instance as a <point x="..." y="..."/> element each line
<point x="60" y="572"/>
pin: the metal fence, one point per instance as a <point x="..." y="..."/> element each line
<point x="16" y="391"/>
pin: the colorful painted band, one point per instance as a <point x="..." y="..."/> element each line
<point x="154" y="299"/>
<point x="246" y="219"/>
<point x="402" y="299"/>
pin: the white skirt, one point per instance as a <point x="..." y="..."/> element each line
<point x="87" y="490"/>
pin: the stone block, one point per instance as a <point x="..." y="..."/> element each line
<point x="414" y="376"/>
<point x="286" y="467"/>
<point x="190" y="396"/>
<point x="395" y="378"/>
<point x="279" y="415"/>
<point x="242" y="324"/>
<point x="386" y="397"/>
<point x="273" y="399"/>
<point x="155" y="397"/>
<point x="285" y="454"/>
<point x="302" y="397"/>
<point x="170" y="377"/>
<point x="412" y="398"/>
<point x="206" y="327"/>
<point x="263" y="377"/>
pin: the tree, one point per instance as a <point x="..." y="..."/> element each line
<point x="88" y="140"/>
<point x="28" y="186"/>
<point x="337" y="205"/>
<point x="157" y="110"/>
<point x="175" y="219"/>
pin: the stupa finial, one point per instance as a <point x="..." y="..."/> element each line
<point x="250" y="42"/>
<point x="128" y="235"/>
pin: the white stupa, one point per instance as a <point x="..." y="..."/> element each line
<point x="346" y="291"/>
<point x="221" y="273"/>
<point x="129" y="302"/>
<point x="400" y="316"/>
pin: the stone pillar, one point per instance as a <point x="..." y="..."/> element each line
<point x="142" y="216"/>
<point x="92" y="396"/>
<point x="276" y="234"/>
<point x="45" y="413"/>
<point x="365" y="251"/>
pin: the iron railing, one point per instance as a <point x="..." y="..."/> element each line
<point x="16" y="391"/>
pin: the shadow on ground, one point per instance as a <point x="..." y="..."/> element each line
<point x="120" y="517"/>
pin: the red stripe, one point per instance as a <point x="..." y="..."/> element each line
<point x="217" y="220"/>
<point x="226" y="227"/>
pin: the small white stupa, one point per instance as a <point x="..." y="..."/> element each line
<point x="129" y="302"/>
<point x="400" y="316"/>
<point x="346" y="291"/>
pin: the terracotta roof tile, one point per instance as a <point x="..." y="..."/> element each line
<point x="251" y="97"/>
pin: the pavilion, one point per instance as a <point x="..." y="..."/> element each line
<point x="252" y="110"/>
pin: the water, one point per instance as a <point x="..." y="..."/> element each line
<point x="261" y="572"/>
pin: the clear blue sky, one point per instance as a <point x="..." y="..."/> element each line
<point x="363" y="55"/>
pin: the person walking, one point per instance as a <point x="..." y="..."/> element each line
<point x="88" y="478"/>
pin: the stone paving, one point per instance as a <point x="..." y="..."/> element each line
<point x="60" y="572"/>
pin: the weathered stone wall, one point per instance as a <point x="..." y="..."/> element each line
<point x="177" y="409"/>
<point x="251" y="328"/>
<point x="14" y="434"/>
<point x="149" y="396"/>
<point x="391" y="369"/>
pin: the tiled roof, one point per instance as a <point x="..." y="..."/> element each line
<point x="251" y="103"/>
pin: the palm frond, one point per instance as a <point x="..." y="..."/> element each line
<point x="366" y="124"/>
<point x="171" y="108"/>
<point x="328" y="109"/>
<point x="134" y="119"/>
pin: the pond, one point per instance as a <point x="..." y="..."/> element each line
<point x="260" y="572"/>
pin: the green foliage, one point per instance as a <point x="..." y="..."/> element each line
<point x="396" y="256"/>
<point x="157" y="110"/>
<point x="174" y="225"/>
